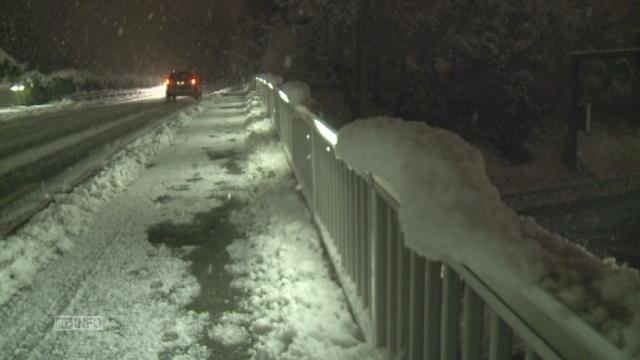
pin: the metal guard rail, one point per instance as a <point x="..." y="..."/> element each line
<point x="413" y="307"/>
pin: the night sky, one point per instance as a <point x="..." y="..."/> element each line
<point x="106" y="36"/>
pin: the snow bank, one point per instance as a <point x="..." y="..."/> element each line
<point x="450" y="210"/>
<point x="52" y="231"/>
<point x="292" y="308"/>
<point x="81" y="100"/>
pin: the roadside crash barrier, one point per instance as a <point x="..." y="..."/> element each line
<point x="411" y="306"/>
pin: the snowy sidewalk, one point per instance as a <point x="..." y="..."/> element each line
<point x="192" y="244"/>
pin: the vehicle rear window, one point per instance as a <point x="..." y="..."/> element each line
<point x="184" y="75"/>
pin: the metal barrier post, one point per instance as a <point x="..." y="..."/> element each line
<point x="351" y="231"/>
<point x="366" y="242"/>
<point x="392" y="276"/>
<point x="357" y="221"/>
<point x="500" y="339"/>
<point x="416" y="306"/>
<point x="531" y="355"/>
<point x="315" y="171"/>
<point x="403" y="277"/>
<point x="380" y="288"/>
<point x="450" y="342"/>
<point x="472" y="331"/>
<point x="433" y="298"/>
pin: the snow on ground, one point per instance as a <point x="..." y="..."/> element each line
<point x="11" y="112"/>
<point x="49" y="233"/>
<point x="450" y="210"/>
<point x="293" y="308"/>
<point x="103" y="267"/>
<point x="130" y="245"/>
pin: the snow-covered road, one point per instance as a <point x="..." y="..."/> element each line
<point x="192" y="243"/>
<point x="55" y="151"/>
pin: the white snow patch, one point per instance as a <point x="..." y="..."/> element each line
<point x="231" y="330"/>
<point x="292" y="309"/>
<point x="50" y="231"/>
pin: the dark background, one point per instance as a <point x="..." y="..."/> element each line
<point x="488" y="70"/>
<point x="147" y="36"/>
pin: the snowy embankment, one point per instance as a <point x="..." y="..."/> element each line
<point x="293" y="308"/>
<point x="48" y="233"/>
<point x="82" y="100"/>
<point x="450" y="210"/>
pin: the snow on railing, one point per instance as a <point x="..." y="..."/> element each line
<point x="407" y="303"/>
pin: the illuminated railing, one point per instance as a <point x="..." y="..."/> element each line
<point x="413" y="307"/>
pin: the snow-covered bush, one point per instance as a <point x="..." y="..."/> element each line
<point x="41" y="88"/>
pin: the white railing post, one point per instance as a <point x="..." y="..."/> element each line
<point x="346" y="215"/>
<point x="359" y="222"/>
<point x="336" y="193"/>
<point x="340" y="211"/>
<point x="402" y="312"/>
<point x="326" y="181"/>
<point x="366" y="243"/>
<point x="352" y="233"/>
<point x="433" y="299"/>
<point x="331" y="193"/>
<point x="379" y="249"/>
<point x="392" y="278"/>
<point x="416" y="306"/>
<point x="450" y="341"/>
<point x="340" y="204"/>
<point x="500" y="339"/>
<point x="321" y="176"/>
<point x="530" y="354"/>
<point x="315" y="171"/>
<point x="472" y="330"/>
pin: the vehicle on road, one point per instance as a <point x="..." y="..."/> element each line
<point x="183" y="83"/>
